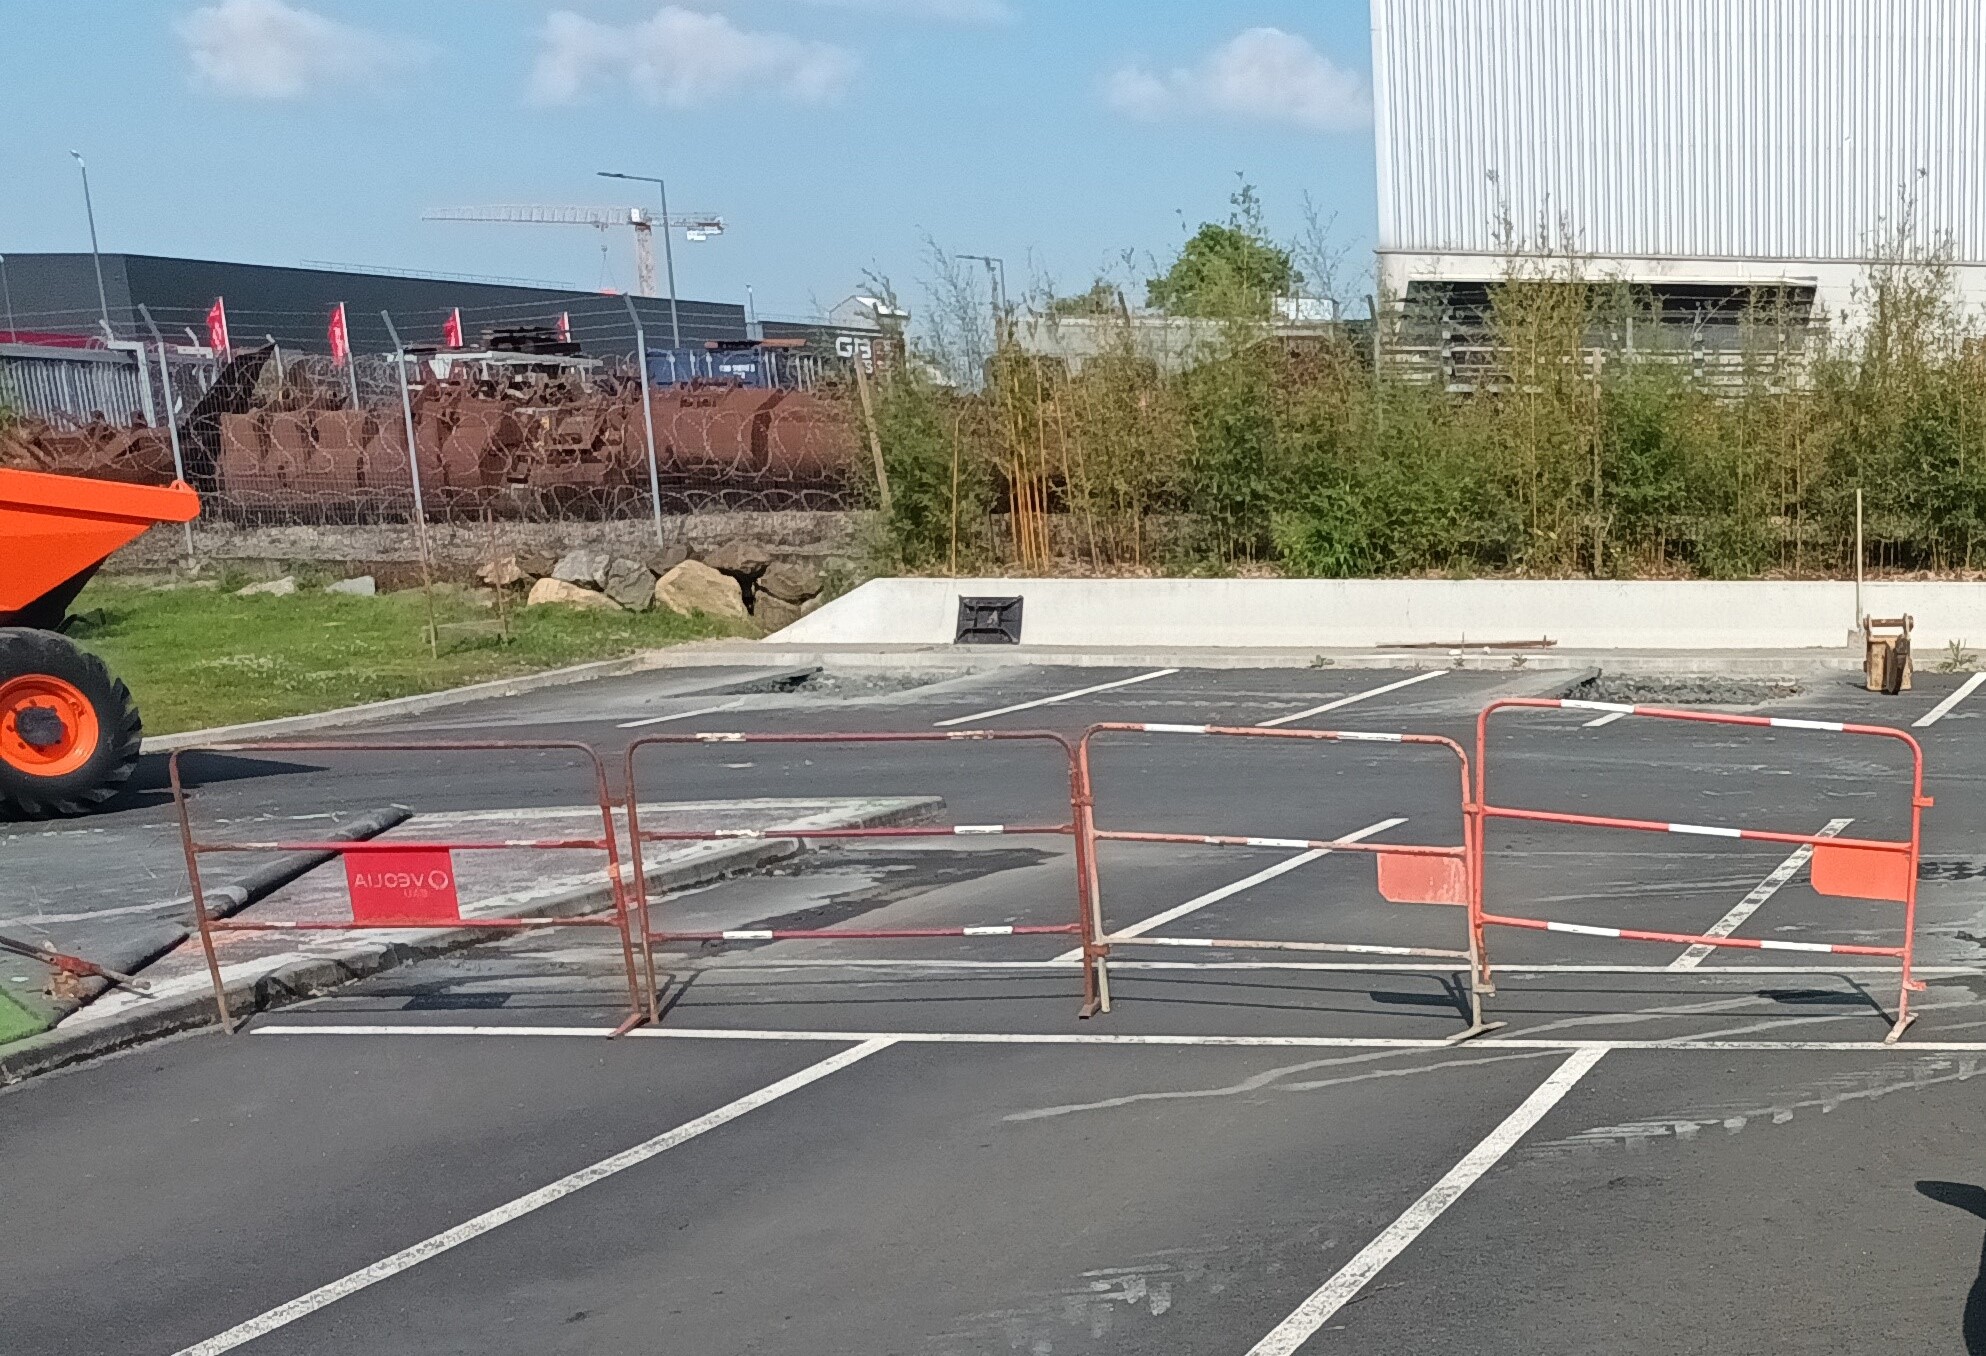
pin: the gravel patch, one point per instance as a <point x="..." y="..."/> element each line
<point x="1684" y="690"/>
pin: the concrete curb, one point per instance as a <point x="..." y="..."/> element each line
<point x="310" y="976"/>
<point x="223" y="900"/>
<point x="423" y="702"/>
<point x="982" y="658"/>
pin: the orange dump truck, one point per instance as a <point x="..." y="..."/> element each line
<point x="69" y="732"/>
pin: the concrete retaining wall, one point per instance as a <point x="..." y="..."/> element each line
<point x="1362" y="613"/>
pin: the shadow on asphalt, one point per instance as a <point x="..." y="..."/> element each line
<point x="150" y="785"/>
<point x="1972" y="1200"/>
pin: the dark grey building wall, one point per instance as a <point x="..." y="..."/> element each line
<point x="57" y="293"/>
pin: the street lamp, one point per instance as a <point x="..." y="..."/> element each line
<point x="89" y="210"/>
<point x="13" y="335"/>
<point x="668" y="250"/>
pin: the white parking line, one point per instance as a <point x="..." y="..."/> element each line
<point x="684" y="715"/>
<point x="1050" y="701"/>
<point x="1267" y="873"/>
<point x="1761" y="892"/>
<point x="1943" y="708"/>
<point x="1607" y="719"/>
<point x="1379" y="691"/>
<point x="1353" y="1277"/>
<point x="284" y="1314"/>
<point x="776" y="1036"/>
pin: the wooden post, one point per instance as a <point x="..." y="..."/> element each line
<point x="875" y="437"/>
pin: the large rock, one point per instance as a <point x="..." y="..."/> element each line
<point x="773" y="612"/>
<point x="274" y="588"/>
<point x="549" y="591"/>
<point x="790" y="581"/>
<point x="666" y="558"/>
<point x="629" y="583"/>
<point x="585" y="567"/>
<point x="364" y="586"/>
<point x="745" y="560"/>
<point x="511" y="571"/>
<point x="694" y="587"/>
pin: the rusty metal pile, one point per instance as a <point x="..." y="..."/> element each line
<point x="95" y="447"/>
<point x="512" y="442"/>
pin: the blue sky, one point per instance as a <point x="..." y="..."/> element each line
<point x="833" y="135"/>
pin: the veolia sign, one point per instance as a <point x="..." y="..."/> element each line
<point x="416" y="885"/>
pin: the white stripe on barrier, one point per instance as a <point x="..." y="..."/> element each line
<point x="726" y="738"/>
<point x="1796" y="946"/>
<point x="1582" y="929"/>
<point x="990" y="931"/>
<point x="1706" y="831"/>
<point x="1786" y="723"/>
<point x="1173" y="729"/>
<point x="740" y="833"/>
<point x="1275" y="842"/>
<point x="967" y="830"/>
<point x="1617" y="708"/>
<point x="747" y="935"/>
<point x="1368" y="737"/>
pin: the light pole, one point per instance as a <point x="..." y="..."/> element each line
<point x="996" y="277"/>
<point x="13" y="335"/>
<point x="668" y="253"/>
<point x="89" y="210"/>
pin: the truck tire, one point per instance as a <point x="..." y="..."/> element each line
<point x="69" y="733"/>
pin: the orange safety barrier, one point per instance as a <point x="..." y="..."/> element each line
<point x="1079" y="929"/>
<point x="408" y="884"/>
<point x="1857" y="868"/>
<point x="1406" y="873"/>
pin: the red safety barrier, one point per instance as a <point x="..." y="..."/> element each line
<point x="1407" y="873"/>
<point x="1858" y="868"/>
<point x="408" y="884"/>
<point x="637" y="835"/>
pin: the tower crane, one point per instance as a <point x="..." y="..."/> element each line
<point x="694" y="225"/>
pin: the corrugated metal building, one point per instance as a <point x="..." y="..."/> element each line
<point x="1704" y="146"/>
<point x="57" y="293"/>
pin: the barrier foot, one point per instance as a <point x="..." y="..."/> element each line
<point x="629" y="1023"/>
<point x="1902" y="1025"/>
<point x="1479" y="1029"/>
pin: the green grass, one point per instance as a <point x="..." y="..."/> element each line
<point x="16" y="1022"/>
<point x="201" y="657"/>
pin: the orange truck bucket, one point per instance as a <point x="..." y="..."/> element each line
<point x="52" y="528"/>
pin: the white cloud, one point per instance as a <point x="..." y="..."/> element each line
<point x="681" y="58"/>
<point x="265" y="49"/>
<point x="945" y="11"/>
<point x="1263" y="74"/>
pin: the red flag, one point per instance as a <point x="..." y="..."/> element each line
<point x="451" y="333"/>
<point x="565" y="328"/>
<point x="217" y="326"/>
<point x="341" y="337"/>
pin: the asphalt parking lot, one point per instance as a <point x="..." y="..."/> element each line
<point x="920" y="1147"/>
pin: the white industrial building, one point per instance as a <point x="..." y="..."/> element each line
<point x="1704" y="148"/>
